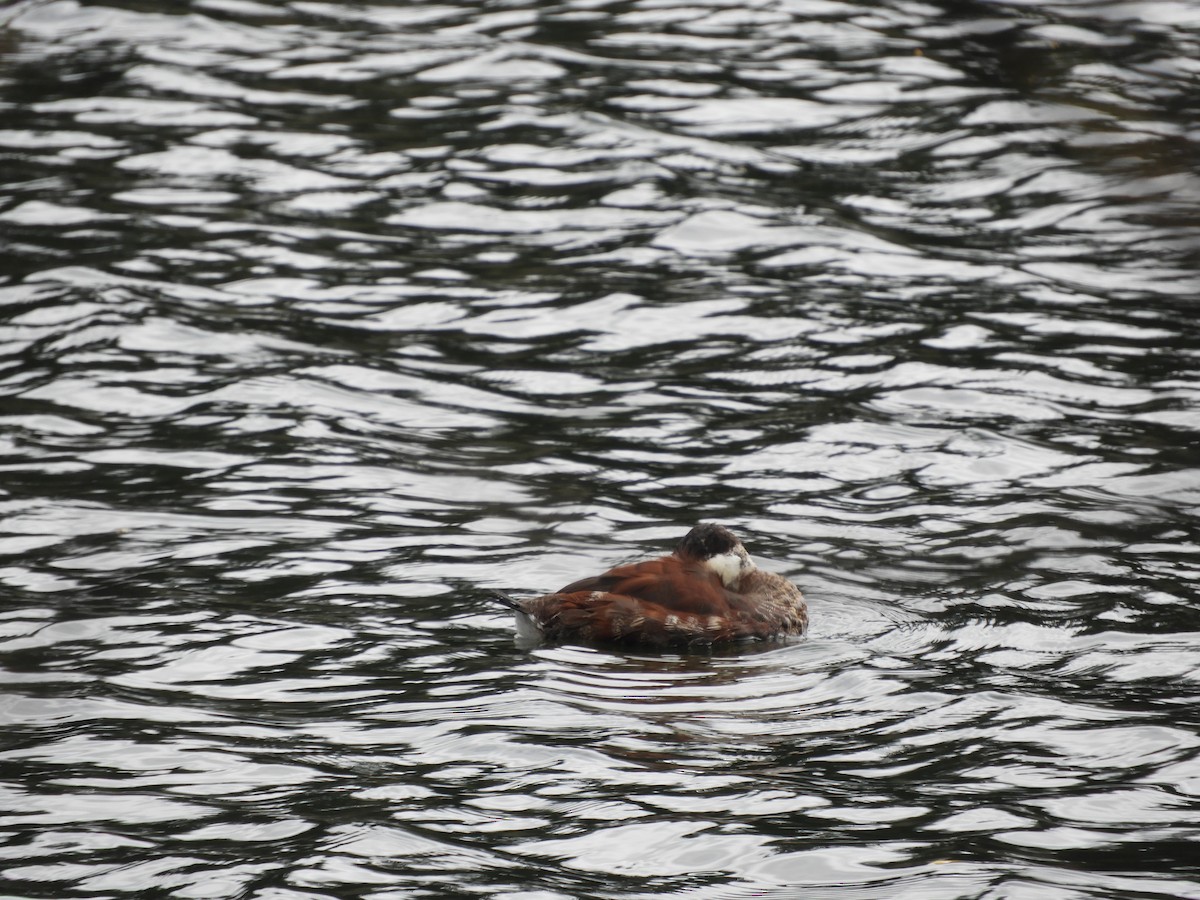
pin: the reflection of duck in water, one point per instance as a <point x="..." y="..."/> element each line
<point x="708" y="591"/>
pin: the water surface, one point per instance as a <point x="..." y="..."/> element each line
<point x="319" y="321"/>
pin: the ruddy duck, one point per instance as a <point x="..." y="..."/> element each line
<point x="708" y="591"/>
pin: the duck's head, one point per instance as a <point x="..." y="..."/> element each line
<point x="719" y="549"/>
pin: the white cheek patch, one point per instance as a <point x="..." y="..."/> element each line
<point x="728" y="567"/>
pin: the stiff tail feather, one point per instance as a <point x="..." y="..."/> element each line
<point x="528" y="631"/>
<point x="505" y="600"/>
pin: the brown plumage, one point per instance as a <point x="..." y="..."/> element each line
<point x="708" y="591"/>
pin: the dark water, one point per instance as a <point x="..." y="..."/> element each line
<point x="320" y="320"/>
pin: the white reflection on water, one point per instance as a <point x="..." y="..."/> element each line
<point x="322" y="320"/>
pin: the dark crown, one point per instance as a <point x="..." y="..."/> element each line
<point x="705" y="541"/>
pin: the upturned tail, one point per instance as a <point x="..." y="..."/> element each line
<point x="502" y="598"/>
<point x="528" y="631"/>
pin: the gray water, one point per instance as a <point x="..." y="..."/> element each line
<point x="320" y="321"/>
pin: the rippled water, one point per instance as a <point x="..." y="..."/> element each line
<point x="321" y="320"/>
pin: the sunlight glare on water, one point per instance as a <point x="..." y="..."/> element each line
<point x="319" y="322"/>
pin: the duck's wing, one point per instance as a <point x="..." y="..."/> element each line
<point x="680" y="587"/>
<point x="594" y="616"/>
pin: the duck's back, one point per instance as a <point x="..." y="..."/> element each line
<point x="678" y="586"/>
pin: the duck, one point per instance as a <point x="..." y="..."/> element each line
<point x="707" y="591"/>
